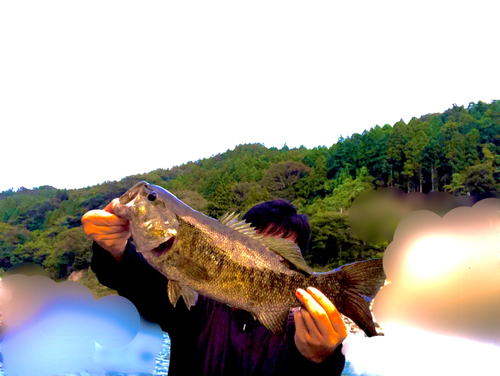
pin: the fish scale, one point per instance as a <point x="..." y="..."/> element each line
<point x="229" y="262"/>
<point x="236" y="284"/>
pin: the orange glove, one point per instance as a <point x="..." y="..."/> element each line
<point x="319" y="328"/>
<point x="108" y="230"/>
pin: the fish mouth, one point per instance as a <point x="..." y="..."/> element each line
<point x="163" y="247"/>
<point x="133" y="192"/>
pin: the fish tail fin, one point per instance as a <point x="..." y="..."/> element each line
<point x="352" y="287"/>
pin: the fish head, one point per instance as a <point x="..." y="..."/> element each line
<point x="150" y="210"/>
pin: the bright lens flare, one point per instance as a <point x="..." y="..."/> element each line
<point x="433" y="256"/>
<point x="400" y="351"/>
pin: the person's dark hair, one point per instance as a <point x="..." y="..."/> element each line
<point x="279" y="217"/>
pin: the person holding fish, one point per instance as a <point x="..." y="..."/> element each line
<point x="240" y="286"/>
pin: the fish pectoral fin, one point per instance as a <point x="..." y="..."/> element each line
<point x="289" y="251"/>
<point x="190" y="267"/>
<point x="274" y="322"/>
<point x="175" y="290"/>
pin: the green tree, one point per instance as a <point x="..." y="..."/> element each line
<point x="281" y="179"/>
<point x="430" y="155"/>
<point x="396" y="155"/>
<point x="70" y="252"/>
<point x="461" y="150"/>
<point x="192" y="199"/>
<point x="417" y="140"/>
<point x="330" y="237"/>
<point x="478" y="179"/>
<point x="315" y="184"/>
<point x="255" y="196"/>
<point x="11" y="237"/>
<point x="456" y="186"/>
<point x="375" y="143"/>
<point x="220" y="201"/>
<point x="344" y="193"/>
<point x="8" y="209"/>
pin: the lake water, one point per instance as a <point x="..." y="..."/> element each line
<point x="162" y="362"/>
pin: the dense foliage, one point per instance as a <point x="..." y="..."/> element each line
<point x="457" y="151"/>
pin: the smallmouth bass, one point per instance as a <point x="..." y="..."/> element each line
<point x="228" y="261"/>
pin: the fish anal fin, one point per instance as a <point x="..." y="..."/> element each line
<point x="289" y="251"/>
<point x="175" y="290"/>
<point x="274" y="322"/>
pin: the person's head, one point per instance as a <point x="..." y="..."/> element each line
<point x="279" y="218"/>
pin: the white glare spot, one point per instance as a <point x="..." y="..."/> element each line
<point x="434" y="255"/>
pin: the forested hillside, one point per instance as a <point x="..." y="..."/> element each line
<point x="457" y="151"/>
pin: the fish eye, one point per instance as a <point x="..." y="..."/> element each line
<point x="152" y="196"/>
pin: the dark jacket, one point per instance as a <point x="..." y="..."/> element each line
<point x="211" y="338"/>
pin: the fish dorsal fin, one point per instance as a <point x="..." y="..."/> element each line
<point x="283" y="247"/>
<point x="231" y="220"/>
<point x="227" y="218"/>
<point x="289" y="251"/>
<point x="176" y="290"/>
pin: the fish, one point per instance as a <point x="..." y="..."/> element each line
<point x="228" y="261"/>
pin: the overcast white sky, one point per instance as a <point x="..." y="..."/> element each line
<point x="97" y="90"/>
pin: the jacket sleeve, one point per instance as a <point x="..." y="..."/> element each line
<point x="135" y="279"/>
<point x="332" y="366"/>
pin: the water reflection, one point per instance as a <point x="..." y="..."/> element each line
<point x="162" y="363"/>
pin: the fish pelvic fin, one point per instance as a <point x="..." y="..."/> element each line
<point x="176" y="290"/>
<point x="275" y="322"/>
<point x="358" y="282"/>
